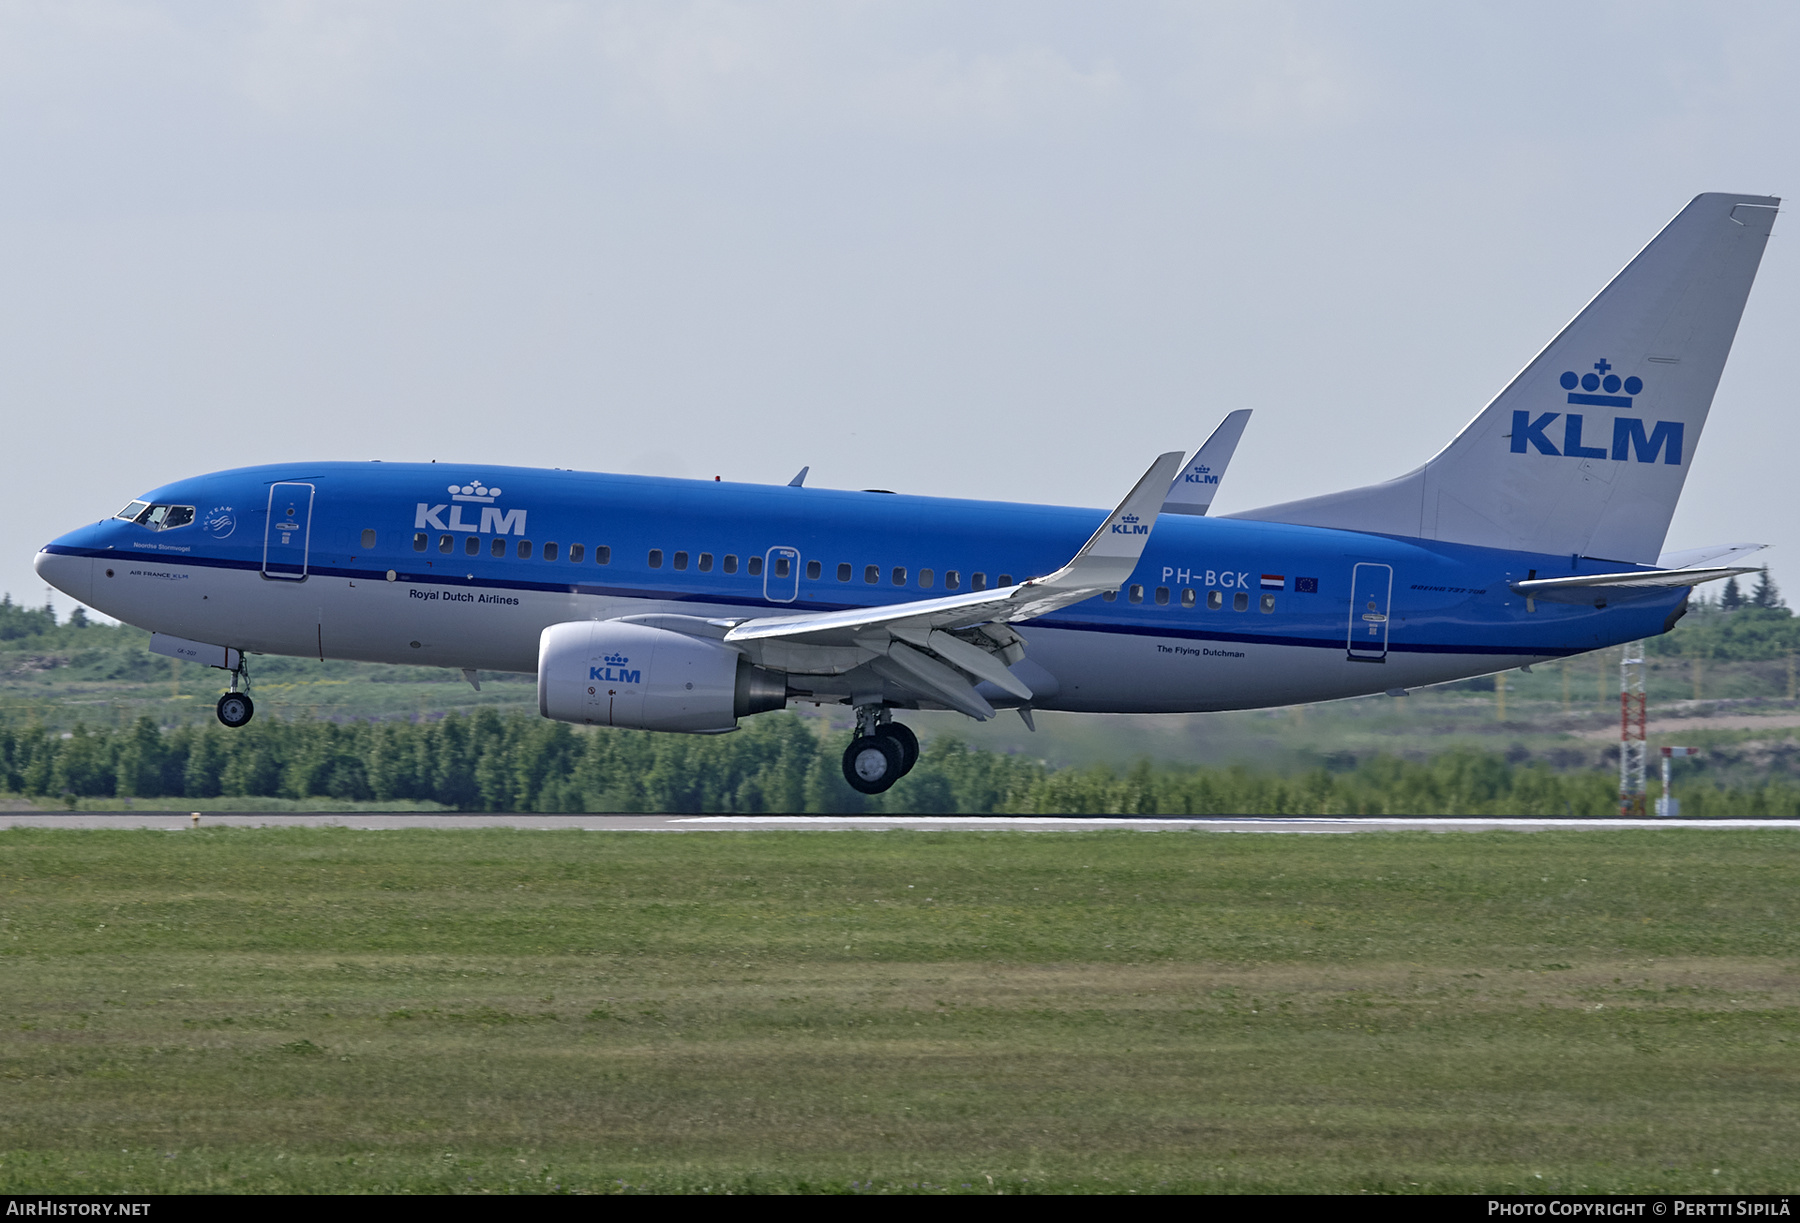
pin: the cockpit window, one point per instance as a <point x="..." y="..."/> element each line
<point x="157" y="517"/>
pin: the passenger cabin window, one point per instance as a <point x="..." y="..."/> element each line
<point x="681" y="560"/>
<point x="602" y="554"/>
<point x="844" y="572"/>
<point x="1137" y="594"/>
<point x="1240" y="601"/>
<point x="872" y="574"/>
<point x="925" y="579"/>
<point x="730" y="565"/>
<point x="446" y="542"/>
<point x="1214" y="600"/>
<point x="576" y="553"/>
<point x="753" y="566"/>
<point x="656" y="558"/>
<point x="978" y="581"/>
<point x="1268" y="604"/>
<point x="524" y="549"/>
<point x="368" y="538"/>
<point x="472" y="546"/>
<point x="1187" y="597"/>
<point x="550" y="551"/>
<point x="1006" y="579"/>
<point x="421" y="541"/>
<point x="1162" y="596"/>
<point x="952" y="579"/>
<point x="1109" y="596"/>
<point x="705" y="565"/>
<point x="899" y="575"/>
<point x="812" y="571"/>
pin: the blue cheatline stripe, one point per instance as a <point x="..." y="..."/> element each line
<point x="1601" y="401"/>
<point x="1333" y="642"/>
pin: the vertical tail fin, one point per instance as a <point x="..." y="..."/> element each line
<point x="1586" y="450"/>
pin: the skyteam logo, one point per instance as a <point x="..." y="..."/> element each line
<point x="614" y="671"/>
<point x="1631" y="440"/>
<point x="220" y="521"/>
<point x="1130" y="525"/>
<point x="494" y="521"/>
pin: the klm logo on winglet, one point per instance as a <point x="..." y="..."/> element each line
<point x="614" y="671"/>
<point x="1199" y="473"/>
<point x="494" y="521"/>
<point x="1630" y="440"/>
<point x="1129" y="525"/>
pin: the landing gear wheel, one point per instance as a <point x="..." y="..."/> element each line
<point x="872" y="763"/>
<point x="909" y="744"/>
<point x="236" y="709"/>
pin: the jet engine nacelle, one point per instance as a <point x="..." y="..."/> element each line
<point x="611" y="673"/>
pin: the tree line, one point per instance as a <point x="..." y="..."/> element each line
<point x="776" y="764"/>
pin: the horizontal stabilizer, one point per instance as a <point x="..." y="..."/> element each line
<point x="1198" y="483"/>
<point x="1691" y="557"/>
<point x="1639" y="579"/>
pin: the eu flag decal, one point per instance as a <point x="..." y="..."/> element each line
<point x="1306" y="586"/>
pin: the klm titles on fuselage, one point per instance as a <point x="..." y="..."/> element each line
<point x="494" y="521"/>
<point x="1630" y="440"/>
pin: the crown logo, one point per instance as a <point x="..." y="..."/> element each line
<point x="616" y="660"/>
<point x="473" y="491"/>
<point x="1129" y="518"/>
<point x="1583" y="388"/>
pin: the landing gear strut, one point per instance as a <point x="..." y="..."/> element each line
<point x="236" y="708"/>
<point x="882" y="752"/>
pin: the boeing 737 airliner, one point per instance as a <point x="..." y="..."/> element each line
<point x="676" y="605"/>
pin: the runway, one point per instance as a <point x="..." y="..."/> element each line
<point x="175" y="821"/>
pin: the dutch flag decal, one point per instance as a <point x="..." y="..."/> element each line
<point x="1274" y="581"/>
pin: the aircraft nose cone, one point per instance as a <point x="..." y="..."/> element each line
<point x="73" y="575"/>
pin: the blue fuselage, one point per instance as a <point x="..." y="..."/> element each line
<point x="384" y="562"/>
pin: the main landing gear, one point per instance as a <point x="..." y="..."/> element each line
<point x="881" y="754"/>
<point x="236" y="708"/>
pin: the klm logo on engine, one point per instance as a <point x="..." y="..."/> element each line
<point x="1129" y="525"/>
<point x="614" y="671"/>
<point x="493" y="520"/>
<point x="1630" y="440"/>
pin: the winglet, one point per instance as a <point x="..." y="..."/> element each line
<point x="799" y="477"/>
<point x="1194" y="489"/>
<point x="1112" y="552"/>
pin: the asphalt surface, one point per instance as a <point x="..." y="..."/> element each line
<point x="176" y="820"/>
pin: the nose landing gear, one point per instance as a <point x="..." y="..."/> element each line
<point x="882" y="752"/>
<point x="236" y="708"/>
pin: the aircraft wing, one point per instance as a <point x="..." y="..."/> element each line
<point x="1197" y="483"/>
<point x="934" y="646"/>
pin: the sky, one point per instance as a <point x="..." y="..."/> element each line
<point x="995" y="250"/>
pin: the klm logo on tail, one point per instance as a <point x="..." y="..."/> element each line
<point x="1630" y="440"/>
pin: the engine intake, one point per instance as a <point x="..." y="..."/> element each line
<point x="610" y="673"/>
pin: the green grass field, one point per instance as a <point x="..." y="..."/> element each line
<point x="282" y="1010"/>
